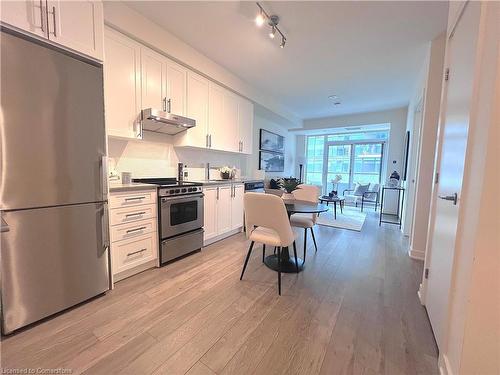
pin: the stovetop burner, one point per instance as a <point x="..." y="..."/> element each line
<point x="165" y="181"/>
<point x="170" y="186"/>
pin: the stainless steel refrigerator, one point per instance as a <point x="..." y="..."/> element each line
<point x="53" y="193"/>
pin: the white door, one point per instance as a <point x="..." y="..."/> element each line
<point x="461" y="55"/>
<point x="209" y="213"/>
<point x="77" y="25"/>
<point x="245" y="125"/>
<point x="237" y="206"/>
<point x="26" y="15"/>
<point x="224" y="209"/>
<point x="176" y="87"/>
<point x="197" y="108"/>
<point x="122" y="85"/>
<point x="154" y="80"/>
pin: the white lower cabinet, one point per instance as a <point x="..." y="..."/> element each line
<point x="133" y="232"/>
<point x="237" y="206"/>
<point x="223" y="211"/>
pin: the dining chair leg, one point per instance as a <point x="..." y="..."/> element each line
<point x="263" y="253"/>
<point x="279" y="270"/>
<point x="314" y="239"/>
<point x="305" y="243"/>
<point x="274" y="250"/>
<point x="295" y="254"/>
<point x="246" y="260"/>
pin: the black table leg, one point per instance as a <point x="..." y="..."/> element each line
<point x="335" y="210"/>
<point x="288" y="264"/>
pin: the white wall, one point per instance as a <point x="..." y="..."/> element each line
<point x="394" y="152"/>
<point x="262" y="122"/>
<point x="427" y="94"/>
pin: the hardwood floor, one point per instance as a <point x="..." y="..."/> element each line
<point x="353" y="310"/>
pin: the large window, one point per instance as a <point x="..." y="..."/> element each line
<point x="314" y="166"/>
<point x="356" y="157"/>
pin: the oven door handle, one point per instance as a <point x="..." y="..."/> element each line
<point x="182" y="197"/>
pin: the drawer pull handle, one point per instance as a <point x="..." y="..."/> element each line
<point x="135" y="230"/>
<point x="136" y="252"/>
<point x="135" y="214"/>
<point x="134" y="199"/>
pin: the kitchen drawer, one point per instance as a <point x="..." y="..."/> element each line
<point x="132" y="214"/>
<point x="133" y="230"/>
<point x="130" y="199"/>
<point x="127" y="254"/>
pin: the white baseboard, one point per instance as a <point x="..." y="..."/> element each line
<point x="421" y="294"/>
<point x="222" y="236"/>
<point x="416" y="254"/>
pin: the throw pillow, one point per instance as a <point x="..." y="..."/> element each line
<point x="361" y="189"/>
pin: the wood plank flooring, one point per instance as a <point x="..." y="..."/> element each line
<point x="353" y="310"/>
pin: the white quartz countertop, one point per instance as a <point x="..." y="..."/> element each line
<point x="113" y="186"/>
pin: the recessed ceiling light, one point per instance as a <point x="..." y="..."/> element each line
<point x="337" y="103"/>
<point x="333" y="97"/>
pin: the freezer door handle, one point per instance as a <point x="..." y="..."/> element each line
<point x="105" y="227"/>
<point x="104" y="168"/>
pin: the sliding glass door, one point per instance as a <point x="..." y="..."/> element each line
<point x="338" y="163"/>
<point x="354" y="161"/>
<point x="367" y="163"/>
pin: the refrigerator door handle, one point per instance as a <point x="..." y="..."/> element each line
<point x="104" y="169"/>
<point x="105" y="227"/>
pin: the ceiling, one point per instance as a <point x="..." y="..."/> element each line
<point x="367" y="53"/>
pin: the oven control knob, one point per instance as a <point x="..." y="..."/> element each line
<point x="177" y="190"/>
<point x="183" y="190"/>
<point x="190" y="189"/>
<point x="171" y="191"/>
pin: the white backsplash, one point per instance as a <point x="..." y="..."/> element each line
<point x="155" y="156"/>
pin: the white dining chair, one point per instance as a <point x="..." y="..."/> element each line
<point x="267" y="222"/>
<point x="308" y="193"/>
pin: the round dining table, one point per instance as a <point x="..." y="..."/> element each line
<point x="293" y="206"/>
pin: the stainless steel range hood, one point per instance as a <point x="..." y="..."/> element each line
<point x="158" y="121"/>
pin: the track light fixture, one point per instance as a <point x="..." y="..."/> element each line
<point x="272" y="21"/>
<point x="272" y="33"/>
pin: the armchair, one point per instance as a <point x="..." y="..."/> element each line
<point x="372" y="195"/>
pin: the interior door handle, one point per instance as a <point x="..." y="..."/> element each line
<point x="453" y="198"/>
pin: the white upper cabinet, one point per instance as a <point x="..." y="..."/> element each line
<point x="245" y="125"/>
<point x="223" y="119"/>
<point x="216" y="116"/>
<point x="122" y="85"/>
<point x="154" y="79"/>
<point x="228" y="132"/>
<point x="29" y="15"/>
<point x="176" y="88"/>
<point x="77" y="25"/>
<point x="197" y="109"/>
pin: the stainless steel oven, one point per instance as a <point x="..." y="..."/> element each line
<point x="181" y="214"/>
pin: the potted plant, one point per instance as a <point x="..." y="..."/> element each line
<point x="289" y="185"/>
<point x="226" y="173"/>
<point x="335" y="181"/>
